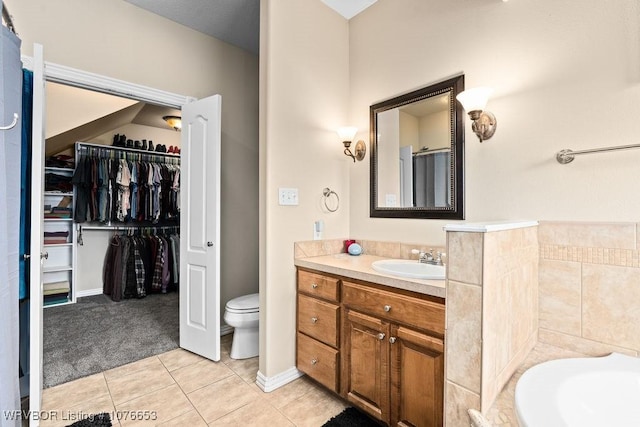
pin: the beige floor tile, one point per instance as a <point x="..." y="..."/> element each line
<point x="131" y="368"/>
<point x="160" y="406"/>
<point x="190" y="419"/>
<point x="139" y="383"/>
<point x="203" y="373"/>
<point x="257" y="413"/>
<point x="247" y="369"/>
<point x="225" y="347"/>
<point x="179" y="358"/>
<point x="69" y="414"/>
<point x="222" y="397"/>
<point x="290" y="392"/>
<point x="73" y="393"/>
<point x="314" y="408"/>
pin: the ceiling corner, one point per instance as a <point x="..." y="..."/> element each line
<point x="348" y="8"/>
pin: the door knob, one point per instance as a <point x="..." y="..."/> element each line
<point x="387" y="308"/>
<point x="314" y="285"/>
<point x="380" y="336"/>
<point x="314" y="320"/>
<point x="314" y="361"/>
<point x="209" y="244"/>
<point x="26" y="256"/>
<point x="392" y="339"/>
<point x="44" y="255"/>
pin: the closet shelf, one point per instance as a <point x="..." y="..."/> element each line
<point x="56" y="169"/>
<point x="53" y="245"/>
<point x="57" y="268"/>
<point x="58" y="193"/>
<point x="57" y="219"/>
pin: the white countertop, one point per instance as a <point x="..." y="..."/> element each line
<point x="489" y="226"/>
<point x="359" y="267"/>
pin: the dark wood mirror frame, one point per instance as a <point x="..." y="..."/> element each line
<point x="455" y="210"/>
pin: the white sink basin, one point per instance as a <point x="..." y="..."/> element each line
<point x="409" y="268"/>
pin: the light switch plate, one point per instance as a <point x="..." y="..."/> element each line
<point x="288" y="196"/>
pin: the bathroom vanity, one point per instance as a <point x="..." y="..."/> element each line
<point x="376" y="340"/>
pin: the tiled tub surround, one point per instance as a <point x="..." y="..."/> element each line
<point x="590" y="286"/>
<point x="492" y="312"/>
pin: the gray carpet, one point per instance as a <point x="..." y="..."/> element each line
<point x="97" y="334"/>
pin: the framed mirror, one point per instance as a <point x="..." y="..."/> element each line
<point x="417" y="154"/>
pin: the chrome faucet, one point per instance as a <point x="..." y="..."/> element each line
<point x="428" y="257"/>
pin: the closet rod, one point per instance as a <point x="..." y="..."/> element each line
<point x="124" y="227"/>
<point x="131" y="150"/>
<point x="566" y="156"/>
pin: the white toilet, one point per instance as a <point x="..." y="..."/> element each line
<point x="243" y="314"/>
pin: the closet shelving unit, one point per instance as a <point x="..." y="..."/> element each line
<point x="58" y="270"/>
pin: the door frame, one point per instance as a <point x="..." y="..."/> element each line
<point x="91" y="81"/>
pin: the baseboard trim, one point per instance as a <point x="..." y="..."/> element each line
<point x="88" y="292"/>
<point x="268" y="384"/>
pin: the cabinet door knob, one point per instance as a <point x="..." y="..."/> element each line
<point x="314" y="320"/>
<point x="209" y="244"/>
<point x="387" y="308"/>
<point x="44" y="255"/>
<point x="314" y="361"/>
<point x="314" y="285"/>
<point x="392" y="339"/>
<point x="381" y="336"/>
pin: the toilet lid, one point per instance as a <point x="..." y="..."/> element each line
<point x="244" y="303"/>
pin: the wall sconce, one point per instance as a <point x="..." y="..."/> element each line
<point x="173" y="121"/>
<point x="474" y="102"/>
<point x="347" y="134"/>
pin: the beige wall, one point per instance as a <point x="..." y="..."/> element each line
<point x="118" y="40"/>
<point x="304" y="63"/>
<point x="565" y="76"/>
<point x="590" y="286"/>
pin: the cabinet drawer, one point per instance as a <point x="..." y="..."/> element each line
<point x="404" y="309"/>
<point x="318" y="319"/>
<point x="318" y="285"/>
<point x="319" y="361"/>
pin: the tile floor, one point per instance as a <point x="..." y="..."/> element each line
<point x="179" y="388"/>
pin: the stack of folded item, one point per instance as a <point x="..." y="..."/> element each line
<point x="56" y="292"/>
<point x="56" y="237"/>
<point x="58" y="212"/>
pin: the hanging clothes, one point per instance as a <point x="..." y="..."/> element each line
<point x="116" y="185"/>
<point x="136" y="265"/>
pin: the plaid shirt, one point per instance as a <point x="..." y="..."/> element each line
<point x="156" y="282"/>
<point x="139" y="269"/>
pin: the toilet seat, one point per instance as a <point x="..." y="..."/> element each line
<point x="244" y="304"/>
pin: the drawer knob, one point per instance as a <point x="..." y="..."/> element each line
<point x="387" y="308"/>
<point x="314" y="320"/>
<point x="380" y="336"/>
<point x="392" y="340"/>
<point x="314" y="361"/>
<point x="314" y="285"/>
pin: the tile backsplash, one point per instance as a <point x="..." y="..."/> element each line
<point x="371" y="247"/>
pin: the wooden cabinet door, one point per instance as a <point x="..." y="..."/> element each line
<point x="366" y="367"/>
<point x="417" y="378"/>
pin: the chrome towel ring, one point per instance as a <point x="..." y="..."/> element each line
<point x="326" y="193"/>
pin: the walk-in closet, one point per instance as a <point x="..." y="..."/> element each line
<point x="111" y="233"/>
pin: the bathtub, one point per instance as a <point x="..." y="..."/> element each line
<point x="584" y="392"/>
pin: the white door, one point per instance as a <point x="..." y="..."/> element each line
<point x="37" y="249"/>
<point x="406" y="176"/>
<point x="200" y="228"/>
